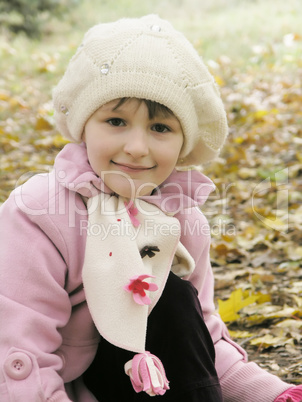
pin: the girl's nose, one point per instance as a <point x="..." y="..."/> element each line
<point x="137" y="143"/>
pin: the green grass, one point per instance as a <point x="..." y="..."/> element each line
<point x="217" y="27"/>
<point x="245" y="31"/>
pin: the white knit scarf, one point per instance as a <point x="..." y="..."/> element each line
<point x="113" y="256"/>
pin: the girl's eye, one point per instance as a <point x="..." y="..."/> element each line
<point x="160" y="128"/>
<point x="116" y="122"/>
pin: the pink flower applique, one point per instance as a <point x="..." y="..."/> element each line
<point x="132" y="212"/>
<point x="137" y="286"/>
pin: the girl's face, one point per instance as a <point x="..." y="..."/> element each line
<point x="132" y="153"/>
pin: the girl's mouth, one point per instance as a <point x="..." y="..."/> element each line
<point x="132" y="168"/>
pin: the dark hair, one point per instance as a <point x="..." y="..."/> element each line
<point x="154" y="108"/>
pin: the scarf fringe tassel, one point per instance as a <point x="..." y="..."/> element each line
<point x="147" y="374"/>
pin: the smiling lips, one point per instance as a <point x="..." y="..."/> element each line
<point x="131" y="168"/>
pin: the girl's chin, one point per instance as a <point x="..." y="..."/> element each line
<point x="133" y="192"/>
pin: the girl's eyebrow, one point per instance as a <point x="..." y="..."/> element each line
<point x="165" y="119"/>
<point x="118" y="108"/>
<point x="106" y="109"/>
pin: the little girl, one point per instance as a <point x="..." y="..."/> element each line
<point x="106" y="286"/>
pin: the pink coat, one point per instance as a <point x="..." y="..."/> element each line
<point x="48" y="338"/>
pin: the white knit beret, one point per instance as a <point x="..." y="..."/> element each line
<point x="143" y="58"/>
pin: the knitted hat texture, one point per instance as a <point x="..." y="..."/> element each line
<point x="144" y="58"/>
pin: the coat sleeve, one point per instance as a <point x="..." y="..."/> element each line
<point x="33" y="305"/>
<point x="240" y="380"/>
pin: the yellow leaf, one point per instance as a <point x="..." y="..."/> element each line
<point x="228" y="238"/>
<point x="263" y="298"/>
<point x="274" y="223"/>
<point x="43" y="124"/>
<point x="246" y="173"/>
<point x="240" y="334"/>
<point x="228" y="309"/>
<point x="258" y="115"/>
<point x="238" y="140"/>
<point x="268" y="340"/>
<point x="4" y="95"/>
<point x="289" y="324"/>
<point x="59" y="141"/>
<point x="298" y="251"/>
<point x="287" y="312"/>
<point x="263" y="278"/>
<point x="220" y="81"/>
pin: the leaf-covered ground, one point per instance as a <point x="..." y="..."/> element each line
<point x="256" y="214"/>
<point x="256" y="211"/>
